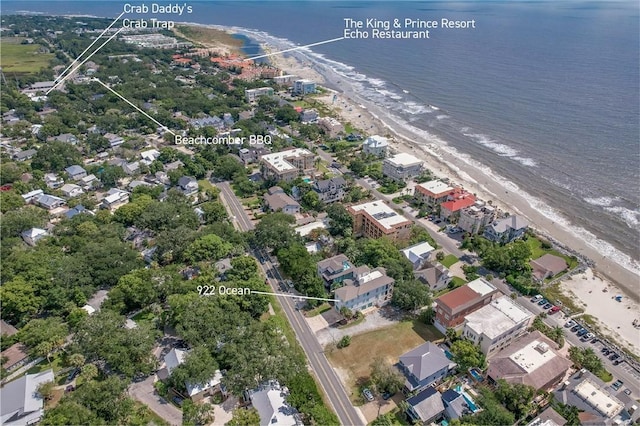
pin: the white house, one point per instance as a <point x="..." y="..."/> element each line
<point x="33" y="235"/>
<point x="375" y="145"/>
<point x="71" y="190"/>
<point x="21" y="402"/>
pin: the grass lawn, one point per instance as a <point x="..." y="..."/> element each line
<point x="389" y="342"/>
<point x="554" y="293"/>
<point x="458" y="282"/>
<point x="537" y="251"/>
<point x="206" y="185"/>
<point x="209" y="36"/>
<point x="22" y="58"/>
<point x="449" y="260"/>
<point x="56" y="364"/>
<point x="318" y="310"/>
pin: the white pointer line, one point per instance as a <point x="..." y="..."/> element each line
<point x="295" y="48"/>
<point x="85" y="50"/>
<point x="81" y="63"/>
<point x="141" y="111"/>
<point x="293" y="295"/>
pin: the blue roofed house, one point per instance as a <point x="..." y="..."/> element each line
<point x="424" y="365"/>
<point x="426" y="406"/>
<point x="21" y="403"/>
<point x="76" y="172"/>
<point x="506" y="229"/>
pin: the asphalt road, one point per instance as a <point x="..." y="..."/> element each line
<point x="145" y="393"/>
<point x="325" y="374"/>
<point x="328" y="379"/>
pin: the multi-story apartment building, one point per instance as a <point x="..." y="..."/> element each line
<point x="473" y="219"/>
<point x="432" y="193"/>
<point x="497" y="324"/>
<point x="453" y="307"/>
<point x="376" y="219"/>
<point x="287" y="165"/>
<point x="402" y="166"/>
<point x="332" y="127"/>
<point x="457" y="200"/>
<point x="304" y="87"/>
<point x="253" y="95"/>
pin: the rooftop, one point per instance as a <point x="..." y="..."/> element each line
<point x="498" y="317"/>
<point x="403" y="159"/>
<point x="435" y="188"/>
<point x="470" y="293"/>
<point x="366" y="283"/>
<point x="278" y="160"/>
<point x="382" y="213"/>
<point x="513" y="222"/>
<point x="600" y="400"/>
<point x="418" y="252"/>
<point x="376" y="141"/>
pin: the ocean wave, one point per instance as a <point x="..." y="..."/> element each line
<point x="530" y="162"/>
<point x="499" y="148"/>
<point x="601" y="201"/>
<point x="630" y="217"/>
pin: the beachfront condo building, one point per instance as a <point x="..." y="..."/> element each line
<point x="473" y="219"/>
<point x="253" y="95"/>
<point x="376" y="219"/>
<point x="331" y="127"/>
<point x="457" y="200"/>
<point x="375" y="145"/>
<point x="304" y="87"/>
<point x="287" y="165"/>
<point x="494" y="326"/>
<point x="402" y="167"/>
<point x="431" y="194"/>
<point x="507" y="229"/>
<point x="453" y="307"/>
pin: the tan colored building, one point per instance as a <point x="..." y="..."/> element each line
<point x="376" y="219"/>
<point x="331" y="126"/>
<point x="432" y="193"/>
<point x="287" y="165"/>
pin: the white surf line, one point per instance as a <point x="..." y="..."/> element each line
<point x="81" y="63"/>
<point x="293" y="296"/>
<point x="85" y="50"/>
<point x="141" y="111"/>
<point x="295" y="48"/>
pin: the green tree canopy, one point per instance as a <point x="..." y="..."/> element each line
<point x="467" y="355"/>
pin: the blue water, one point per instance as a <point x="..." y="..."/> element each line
<point x="475" y="374"/>
<point x="472" y="406"/>
<point x="543" y="94"/>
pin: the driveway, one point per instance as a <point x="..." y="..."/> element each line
<point x="379" y="318"/>
<point x="145" y="393"/>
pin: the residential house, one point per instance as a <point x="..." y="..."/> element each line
<point x="115" y="198"/>
<point x="71" y="190"/>
<point x="596" y="403"/>
<point x="507" y="229"/>
<point x="376" y="219"/>
<point x="24" y="155"/>
<point x="162" y="177"/>
<point x="248" y="156"/>
<point x="66" y="138"/>
<point x="309" y="116"/>
<point x="90" y="182"/>
<point x="532" y="360"/>
<point x="269" y="400"/>
<point x="331" y="127"/>
<point x="432" y="193"/>
<point x="335" y="270"/>
<point x="6" y="329"/>
<point x="366" y="289"/>
<point x="173" y="165"/>
<point x="433" y="274"/>
<point x="330" y="190"/>
<point x="207" y="121"/>
<point x="455" y="406"/>
<point x="285" y="80"/>
<point x="21" y="402"/>
<point x="418" y="254"/>
<point x="131" y="168"/>
<point x="376" y="145"/>
<point x="454" y="306"/>
<point x="32" y="196"/>
<point x="15" y="356"/>
<point x="475" y="218"/>
<point x="33" y="235"/>
<point x="149" y="156"/>
<point x="549" y="417"/>
<point x="196" y="391"/>
<point x="494" y="326"/>
<point x="188" y="185"/>
<point x="287" y="165"/>
<point x="76" y="211"/>
<point x="114" y="140"/>
<point x="252" y="95"/>
<point x="76" y="172"/>
<point x="457" y="200"/>
<point x="304" y="87"/>
<point x="402" y="167"/>
<point x="53" y="181"/>
<point x="423" y="366"/>
<point x="49" y="202"/>
<point x="547" y="266"/>
<point x="426" y="406"/>
<point x="277" y="200"/>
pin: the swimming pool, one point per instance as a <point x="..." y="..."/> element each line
<point x="475" y="373"/>
<point x="472" y="406"/>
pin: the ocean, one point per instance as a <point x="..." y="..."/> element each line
<point x="545" y="95"/>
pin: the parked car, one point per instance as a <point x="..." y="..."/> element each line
<point x="69" y="388"/>
<point x="554" y="309"/>
<point x="543" y="302"/>
<point x="614" y="356"/>
<point x="367" y="394"/>
<point x="582" y="332"/>
<point x="617" y="385"/>
<point x="570" y="323"/>
<point x="576" y="328"/>
<point x="606" y="351"/>
<point x="178" y="401"/>
<point x="618" y="361"/>
<point x="627" y="391"/>
<point x="536" y="298"/>
<point x="587" y="336"/>
<point x="74" y="373"/>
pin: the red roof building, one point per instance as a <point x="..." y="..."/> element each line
<point x="457" y="200"/>
<point x="453" y="307"/>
